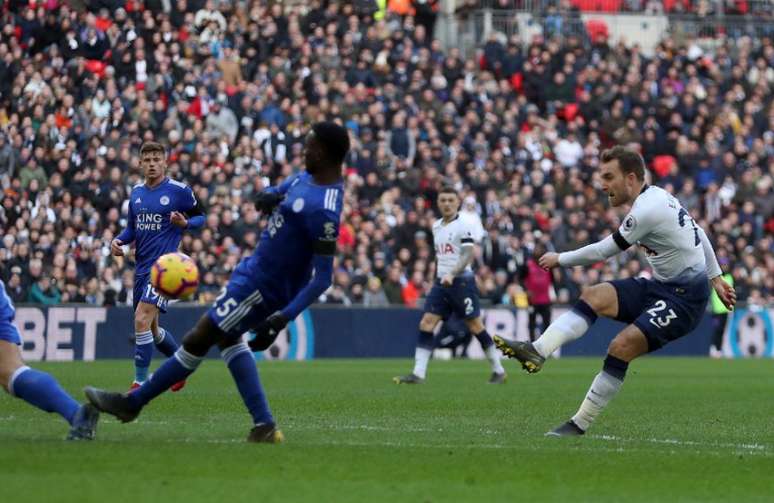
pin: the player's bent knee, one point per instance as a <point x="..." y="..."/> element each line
<point x="428" y="322"/>
<point x="628" y="345"/>
<point x="475" y="325"/>
<point x="10" y="361"/>
<point x="202" y="337"/>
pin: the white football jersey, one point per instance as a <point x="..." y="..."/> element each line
<point x="449" y="238"/>
<point x="665" y="230"/>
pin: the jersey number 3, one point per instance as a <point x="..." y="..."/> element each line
<point x="661" y="321"/>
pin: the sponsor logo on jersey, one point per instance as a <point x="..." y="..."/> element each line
<point x="149" y="221"/>
<point x="444" y="249"/>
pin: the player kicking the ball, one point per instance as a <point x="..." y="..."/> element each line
<point x="160" y="209"/>
<point x="267" y="289"/>
<point x="455" y="290"/>
<point x="658" y="310"/>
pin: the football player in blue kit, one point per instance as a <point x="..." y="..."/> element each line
<point x="37" y="388"/>
<point x="160" y="209"/>
<point x="267" y="289"/>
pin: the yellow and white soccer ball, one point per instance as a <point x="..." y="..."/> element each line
<point x="175" y="276"/>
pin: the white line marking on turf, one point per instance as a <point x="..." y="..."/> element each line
<point x="689" y="443"/>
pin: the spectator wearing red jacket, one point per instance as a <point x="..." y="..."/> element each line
<point x="537" y="282"/>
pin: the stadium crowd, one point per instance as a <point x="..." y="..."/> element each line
<point x="231" y="88"/>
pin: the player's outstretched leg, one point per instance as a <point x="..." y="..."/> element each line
<point x="627" y="345"/>
<point x="566" y="328"/>
<point x="127" y="406"/>
<point x="477" y="328"/>
<point x="241" y="363"/>
<point x="41" y="390"/>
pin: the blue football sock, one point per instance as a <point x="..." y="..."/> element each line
<point x="175" y="369"/>
<point x="241" y="363"/>
<point x="143" y="354"/>
<point x="43" y="391"/>
<point x="166" y="343"/>
<point x="484" y="339"/>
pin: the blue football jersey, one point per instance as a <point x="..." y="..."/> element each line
<point x="149" y="222"/>
<point x="305" y="223"/>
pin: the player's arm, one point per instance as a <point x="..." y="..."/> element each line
<point x="466" y="258"/>
<point x="126" y="236"/>
<point x="192" y="215"/>
<point x="725" y="291"/>
<point x="270" y="197"/>
<point x="636" y="225"/>
<point x="325" y="232"/>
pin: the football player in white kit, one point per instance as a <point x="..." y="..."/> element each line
<point x="658" y="310"/>
<point x="454" y="290"/>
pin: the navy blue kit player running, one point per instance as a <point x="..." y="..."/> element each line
<point x="160" y="209"/>
<point x="455" y="290"/>
<point x="657" y="310"/>
<point x="291" y="267"/>
<point x="37" y="388"/>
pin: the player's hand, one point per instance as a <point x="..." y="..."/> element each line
<point x="265" y="202"/>
<point x="267" y="331"/>
<point x="725" y="292"/>
<point x="549" y="260"/>
<point x="447" y="280"/>
<point x="115" y="248"/>
<point x="177" y="218"/>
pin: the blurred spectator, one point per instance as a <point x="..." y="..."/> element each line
<point x="232" y="87"/>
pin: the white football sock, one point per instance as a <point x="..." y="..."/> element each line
<point x="564" y="329"/>
<point x="602" y="390"/>
<point x="493" y="355"/>
<point x="421" y="357"/>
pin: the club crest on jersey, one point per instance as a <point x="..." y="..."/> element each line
<point x="164" y="200"/>
<point x="298" y="204"/>
<point x="137" y="201"/>
<point x="444" y="248"/>
<point x="630" y="223"/>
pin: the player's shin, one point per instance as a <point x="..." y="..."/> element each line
<point x="241" y="364"/>
<point x="166" y="342"/>
<point x="492" y="354"/>
<point x="174" y="370"/>
<point x="604" y="387"/>
<point x="42" y="391"/>
<point x="143" y="354"/>
<point x="423" y="352"/>
<point x="566" y="328"/>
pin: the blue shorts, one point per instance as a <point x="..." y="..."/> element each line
<point x="240" y="306"/>
<point x="663" y="311"/>
<point x="461" y="298"/>
<point x="144" y="292"/>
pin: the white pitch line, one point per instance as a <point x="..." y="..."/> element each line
<point x="687" y="443"/>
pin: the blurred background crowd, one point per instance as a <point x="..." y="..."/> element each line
<point x="231" y="88"/>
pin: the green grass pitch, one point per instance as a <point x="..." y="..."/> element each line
<point x="680" y="430"/>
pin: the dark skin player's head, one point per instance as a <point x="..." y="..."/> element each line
<point x="326" y="147"/>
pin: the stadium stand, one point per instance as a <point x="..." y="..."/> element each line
<point x="231" y="87"/>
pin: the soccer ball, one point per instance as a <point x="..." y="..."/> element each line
<point x="175" y="276"/>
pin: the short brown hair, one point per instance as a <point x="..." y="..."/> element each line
<point x="629" y="160"/>
<point x="448" y="189"/>
<point x="152" y="146"/>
